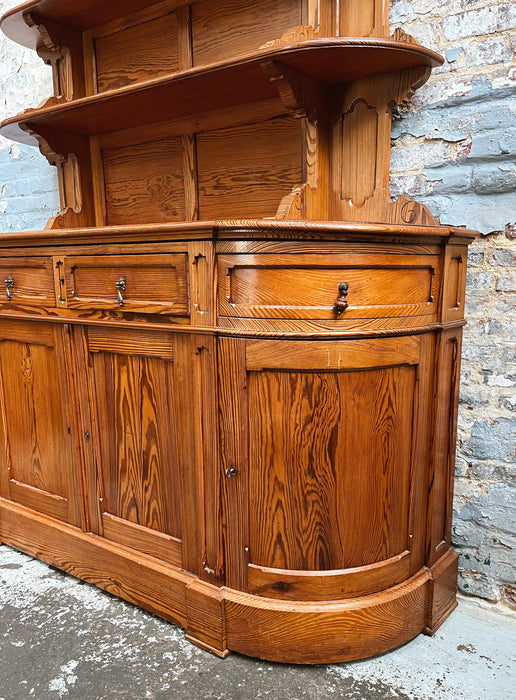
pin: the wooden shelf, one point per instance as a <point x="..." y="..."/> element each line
<point x="219" y="85"/>
<point x="81" y="16"/>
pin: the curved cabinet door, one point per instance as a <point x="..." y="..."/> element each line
<point x="38" y="463"/>
<point x="325" y="477"/>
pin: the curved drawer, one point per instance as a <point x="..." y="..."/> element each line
<point x="309" y="286"/>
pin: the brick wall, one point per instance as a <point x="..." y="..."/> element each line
<point x="453" y="149"/>
<point x="28" y="184"/>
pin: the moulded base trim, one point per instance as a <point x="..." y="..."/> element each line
<point x="222" y="619"/>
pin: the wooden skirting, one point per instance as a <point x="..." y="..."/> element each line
<point x="223" y="619"/>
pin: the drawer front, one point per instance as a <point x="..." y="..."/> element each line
<point x="26" y="281"/>
<point x="154" y="284"/>
<point x="307" y="286"/>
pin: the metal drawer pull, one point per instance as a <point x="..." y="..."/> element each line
<point x="9" y="284"/>
<point x="120" y="287"/>
<point x="342" y="303"/>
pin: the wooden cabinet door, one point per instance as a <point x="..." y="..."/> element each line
<point x="326" y="469"/>
<point x="136" y="431"/>
<point x="38" y="462"/>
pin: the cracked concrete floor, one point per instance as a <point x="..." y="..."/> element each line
<point x="62" y="638"/>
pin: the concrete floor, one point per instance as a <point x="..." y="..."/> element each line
<point x="62" y="638"/>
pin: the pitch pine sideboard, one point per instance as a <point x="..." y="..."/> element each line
<point x="229" y="366"/>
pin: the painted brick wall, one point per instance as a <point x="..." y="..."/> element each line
<point x="454" y="150"/>
<point x="28" y="184"/>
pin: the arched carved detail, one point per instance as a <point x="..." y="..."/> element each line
<point x="362" y="134"/>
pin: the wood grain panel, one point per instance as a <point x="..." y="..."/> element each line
<point x="311" y="501"/>
<point x="285" y="584"/>
<point x="130" y="342"/>
<point x="224" y="30"/>
<point x="144" y="183"/>
<point x="330" y="356"/>
<point x="37" y="456"/>
<point x="364" y="18"/>
<point x="37" y="499"/>
<point x="454" y="283"/>
<point x="140" y="579"/>
<point x="245" y="171"/>
<point x="153" y="283"/>
<point x="359" y="138"/>
<point x="34" y="415"/>
<point x="33" y="281"/>
<point x="278" y="286"/>
<point x="148" y="541"/>
<point x="137" y="53"/>
<point x="137" y="457"/>
<point x="442" y="461"/>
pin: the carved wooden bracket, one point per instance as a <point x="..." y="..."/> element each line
<point x="298" y="93"/>
<point x="291" y="207"/>
<point x="400" y="35"/>
<point x="66" y="152"/>
<point x="61" y="48"/>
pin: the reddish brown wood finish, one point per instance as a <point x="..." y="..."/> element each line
<point x="229" y="366"/>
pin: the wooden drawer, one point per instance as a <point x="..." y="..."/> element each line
<point x="307" y="285"/>
<point x="27" y="281"/>
<point x="153" y="284"/>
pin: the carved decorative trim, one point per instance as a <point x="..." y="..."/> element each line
<point x="56" y="49"/>
<point x="68" y="174"/>
<point x="297" y="92"/>
<point x="292" y="205"/>
<point x="400" y="35"/>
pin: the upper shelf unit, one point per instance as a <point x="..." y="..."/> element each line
<point x="187" y="110"/>
<point x="222" y="85"/>
<point x="96" y="46"/>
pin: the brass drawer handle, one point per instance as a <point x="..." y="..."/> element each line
<point x="342" y="303"/>
<point x="120" y="287"/>
<point x="9" y="284"/>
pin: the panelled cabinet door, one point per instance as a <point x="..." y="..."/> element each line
<point x="132" y="377"/>
<point x="325" y="476"/>
<point x="38" y="462"/>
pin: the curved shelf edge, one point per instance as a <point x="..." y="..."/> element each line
<point x="225" y="84"/>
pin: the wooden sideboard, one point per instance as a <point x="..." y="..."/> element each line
<point x="229" y="366"/>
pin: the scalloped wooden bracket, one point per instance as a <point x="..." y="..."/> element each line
<point x="70" y="155"/>
<point x="292" y="206"/>
<point x="298" y="93"/>
<point x="61" y="48"/>
<point x="400" y="35"/>
<point x="305" y="99"/>
<point x="362" y="140"/>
